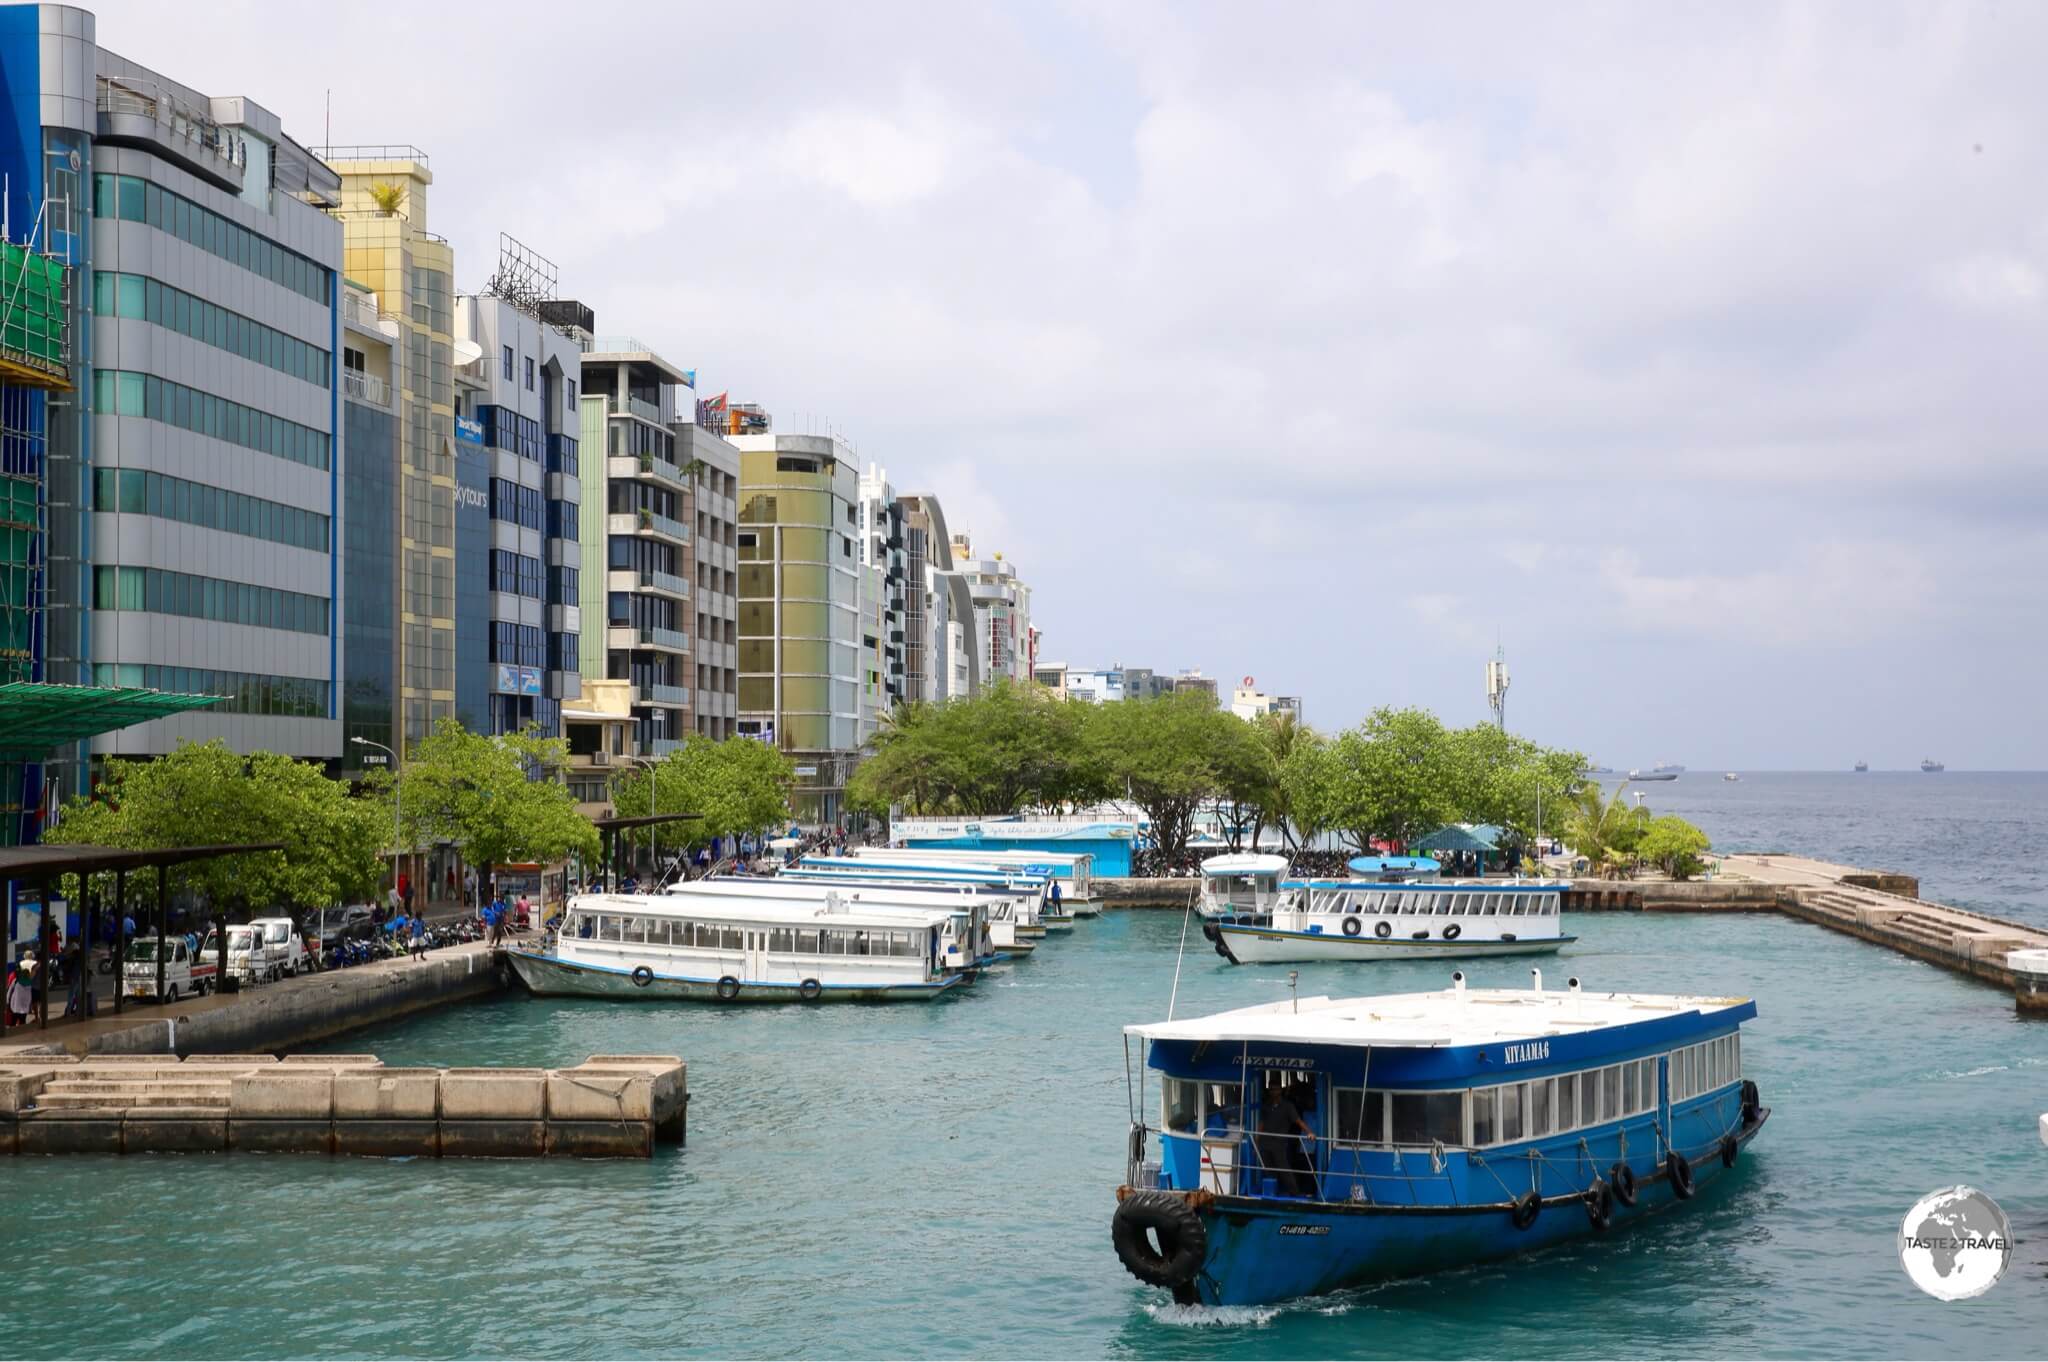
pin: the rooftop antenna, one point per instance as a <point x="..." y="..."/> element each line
<point x="1497" y="688"/>
<point x="524" y="277"/>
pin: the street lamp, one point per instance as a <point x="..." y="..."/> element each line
<point x="397" y="797"/>
<point x="653" y="807"/>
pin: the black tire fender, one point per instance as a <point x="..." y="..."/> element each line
<point x="728" y="987"/>
<point x="642" y="976"/>
<point x="1183" y="1238"/>
<point x="1527" y="1207"/>
<point x="1622" y="1179"/>
<point x="1599" y="1199"/>
<point x="1209" y="930"/>
<point x="1679" y="1170"/>
<point x="1452" y="931"/>
<point x="1352" y="926"/>
<point x="809" y="990"/>
<point x="1752" y="1102"/>
<point x="1383" y="930"/>
<point x="1731" y="1150"/>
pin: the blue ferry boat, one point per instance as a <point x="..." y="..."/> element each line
<point x="1307" y="1145"/>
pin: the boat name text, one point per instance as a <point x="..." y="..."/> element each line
<point x="1523" y="1053"/>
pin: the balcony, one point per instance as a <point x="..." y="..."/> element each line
<point x="664" y="581"/>
<point x="629" y="637"/>
<point x="634" y="406"/>
<point x="664" y="695"/>
<point x="142" y="113"/>
<point x="646" y="522"/>
<point x="661" y="747"/>
<point x="645" y="466"/>
<point x="365" y="388"/>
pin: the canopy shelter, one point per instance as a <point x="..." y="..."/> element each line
<point x="44" y="865"/>
<point x="1479" y="838"/>
<point x="35" y="717"/>
<point x="610" y="828"/>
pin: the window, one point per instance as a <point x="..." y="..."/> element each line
<point x="529" y="373"/>
<point x="569" y="386"/>
<point x="1180" y="1105"/>
<point x="135" y="200"/>
<point x="1485" y="1126"/>
<point x="1510" y="1112"/>
<point x="1539" y="1108"/>
<point x="1427" y="1117"/>
<point x="117" y="393"/>
<point x="508" y="363"/>
<point x="179" y="593"/>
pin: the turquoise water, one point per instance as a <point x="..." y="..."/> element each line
<point x="937" y="1180"/>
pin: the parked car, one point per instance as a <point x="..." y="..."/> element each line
<point x="251" y="960"/>
<point x="353" y="923"/>
<point x="183" y="977"/>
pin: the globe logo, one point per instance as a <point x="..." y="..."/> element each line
<point x="1955" y="1243"/>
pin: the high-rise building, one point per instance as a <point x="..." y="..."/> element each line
<point x="518" y="498"/>
<point x="1195" y="681"/>
<point x="193" y="483"/>
<point x="389" y="250"/>
<point x="1002" y="634"/>
<point x="1249" y="702"/>
<point x="372" y="377"/>
<point x="800" y="610"/>
<point x="711" y="468"/>
<point x="885" y="601"/>
<point x="637" y="602"/>
<point x="938" y="615"/>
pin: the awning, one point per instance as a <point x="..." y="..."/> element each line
<point x="35" y="717"/>
<point x="1479" y="837"/>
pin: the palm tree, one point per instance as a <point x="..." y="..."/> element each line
<point x="1605" y="831"/>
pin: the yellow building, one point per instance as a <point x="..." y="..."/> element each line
<point x="388" y="249"/>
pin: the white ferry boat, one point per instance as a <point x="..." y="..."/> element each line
<point x="845" y="870"/>
<point x="1247" y="883"/>
<point x="1377" y="921"/>
<point x="1074" y="872"/>
<point x="1028" y="905"/>
<point x="741" y="949"/>
<point x="1007" y="925"/>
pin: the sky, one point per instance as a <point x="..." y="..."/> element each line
<point x="1693" y="354"/>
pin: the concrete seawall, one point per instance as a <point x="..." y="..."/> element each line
<point x="279" y="1016"/>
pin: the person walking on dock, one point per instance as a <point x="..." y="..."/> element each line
<point x="419" y="937"/>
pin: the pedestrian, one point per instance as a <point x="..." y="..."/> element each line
<point x="419" y="938"/>
<point x="21" y="992"/>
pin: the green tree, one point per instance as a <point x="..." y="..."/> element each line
<point x="736" y="786"/>
<point x="1673" y="844"/>
<point x="498" y="800"/>
<point x="1167" y="755"/>
<point x="1607" y="832"/>
<point x="1389" y="779"/>
<point x="1006" y="748"/>
<point x="1501" y="778"/>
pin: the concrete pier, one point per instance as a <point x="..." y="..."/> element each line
<point x="2030" y="989"/>
<point x="281" y="1016"/>
<point x="609" y="1106"/>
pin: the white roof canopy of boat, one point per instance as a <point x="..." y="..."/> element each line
<point x="1430" y="1020"/>
<point x="837" y="909"/>
<point x="1245" y="863"/>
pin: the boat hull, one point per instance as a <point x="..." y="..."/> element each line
<point x="1264" y="1250"/>
<point x="1267" y="946"/>
<point x="551" y="977"/>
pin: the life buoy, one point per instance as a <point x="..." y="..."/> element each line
<point x="1622" y="1179"/>
<point x="642" y="976"/>
<point x="1183" y="1238"/>
<point x="1680" y="1172"/>
<point x="1527" y="1207"/>
<point x="728" y="988"/>
<point x="809" y="990"/>
<point x="1599" y="1199"/>
<point x="1452" y="931"/>
<point x="1383" y="930"/>
<point x="1352" y="926"/>
<point x="1731" y="1149"/>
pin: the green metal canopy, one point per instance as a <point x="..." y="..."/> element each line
<point x="35" y="717"/>
<point x="1479" y="837"/>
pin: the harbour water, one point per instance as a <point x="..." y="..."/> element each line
<point x="1975" y="839"/>
<point x="937" y="1180"/>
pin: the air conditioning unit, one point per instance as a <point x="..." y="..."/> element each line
<point x="600" y="758"/>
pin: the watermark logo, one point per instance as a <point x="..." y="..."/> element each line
<point x="1955" y="1243"/>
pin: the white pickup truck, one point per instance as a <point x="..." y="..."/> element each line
<point x="251" y="960"/>
<point x="184" y="977"/>
<point x="288" y="948"/>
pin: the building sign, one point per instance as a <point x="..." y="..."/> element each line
<point x="469" y="431"/>
<point x="511" y="680"/>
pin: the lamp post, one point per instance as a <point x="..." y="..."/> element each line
<point x="397" y="803"/>
<point x="653" y="807"/>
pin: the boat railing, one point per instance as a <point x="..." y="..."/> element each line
<point x="1245" y="1172"/>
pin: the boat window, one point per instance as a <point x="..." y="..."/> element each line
<point x="1361" y="1116"/>
<point x="1589" y="1098"/>
<point x="1511" y="1095"/>
<point x="1222" y="1108"/>
<point x="806" y="941"/>
<point x="1567" y="1105"/>
<point x="1539" y="1108"/>
<point x="1485" y="1130"/>
<point x="1427" y="1117"/>
<point x="1629" y="1095"/>
<point x="1180" y="1101"/>
<point x="610" y="928"/>
<point x="729" y="939"/>
<point x="1354" y="903"/>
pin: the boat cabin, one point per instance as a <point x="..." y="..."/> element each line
<point x="1456" y="1098"/>
<point x="1242" y="884"/>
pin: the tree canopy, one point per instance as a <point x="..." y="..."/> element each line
<point x="1006" y="748"/>
<point x="206" y="794"/>
<point x="497" y="799"/>
<point x="736" y="786"/>
<point x="1171" y="753"/>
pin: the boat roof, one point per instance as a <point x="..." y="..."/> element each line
<point x="1245" y="863"/>
<point x="709" y="907"/>
<point x="794" y="888"/>
<point x="1374" y="865"/>
<point x="1435" y="886"/>
<point x="1436" y="1020"/>
<point x="990" y="855"/>
<point x="945" y="874"/>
